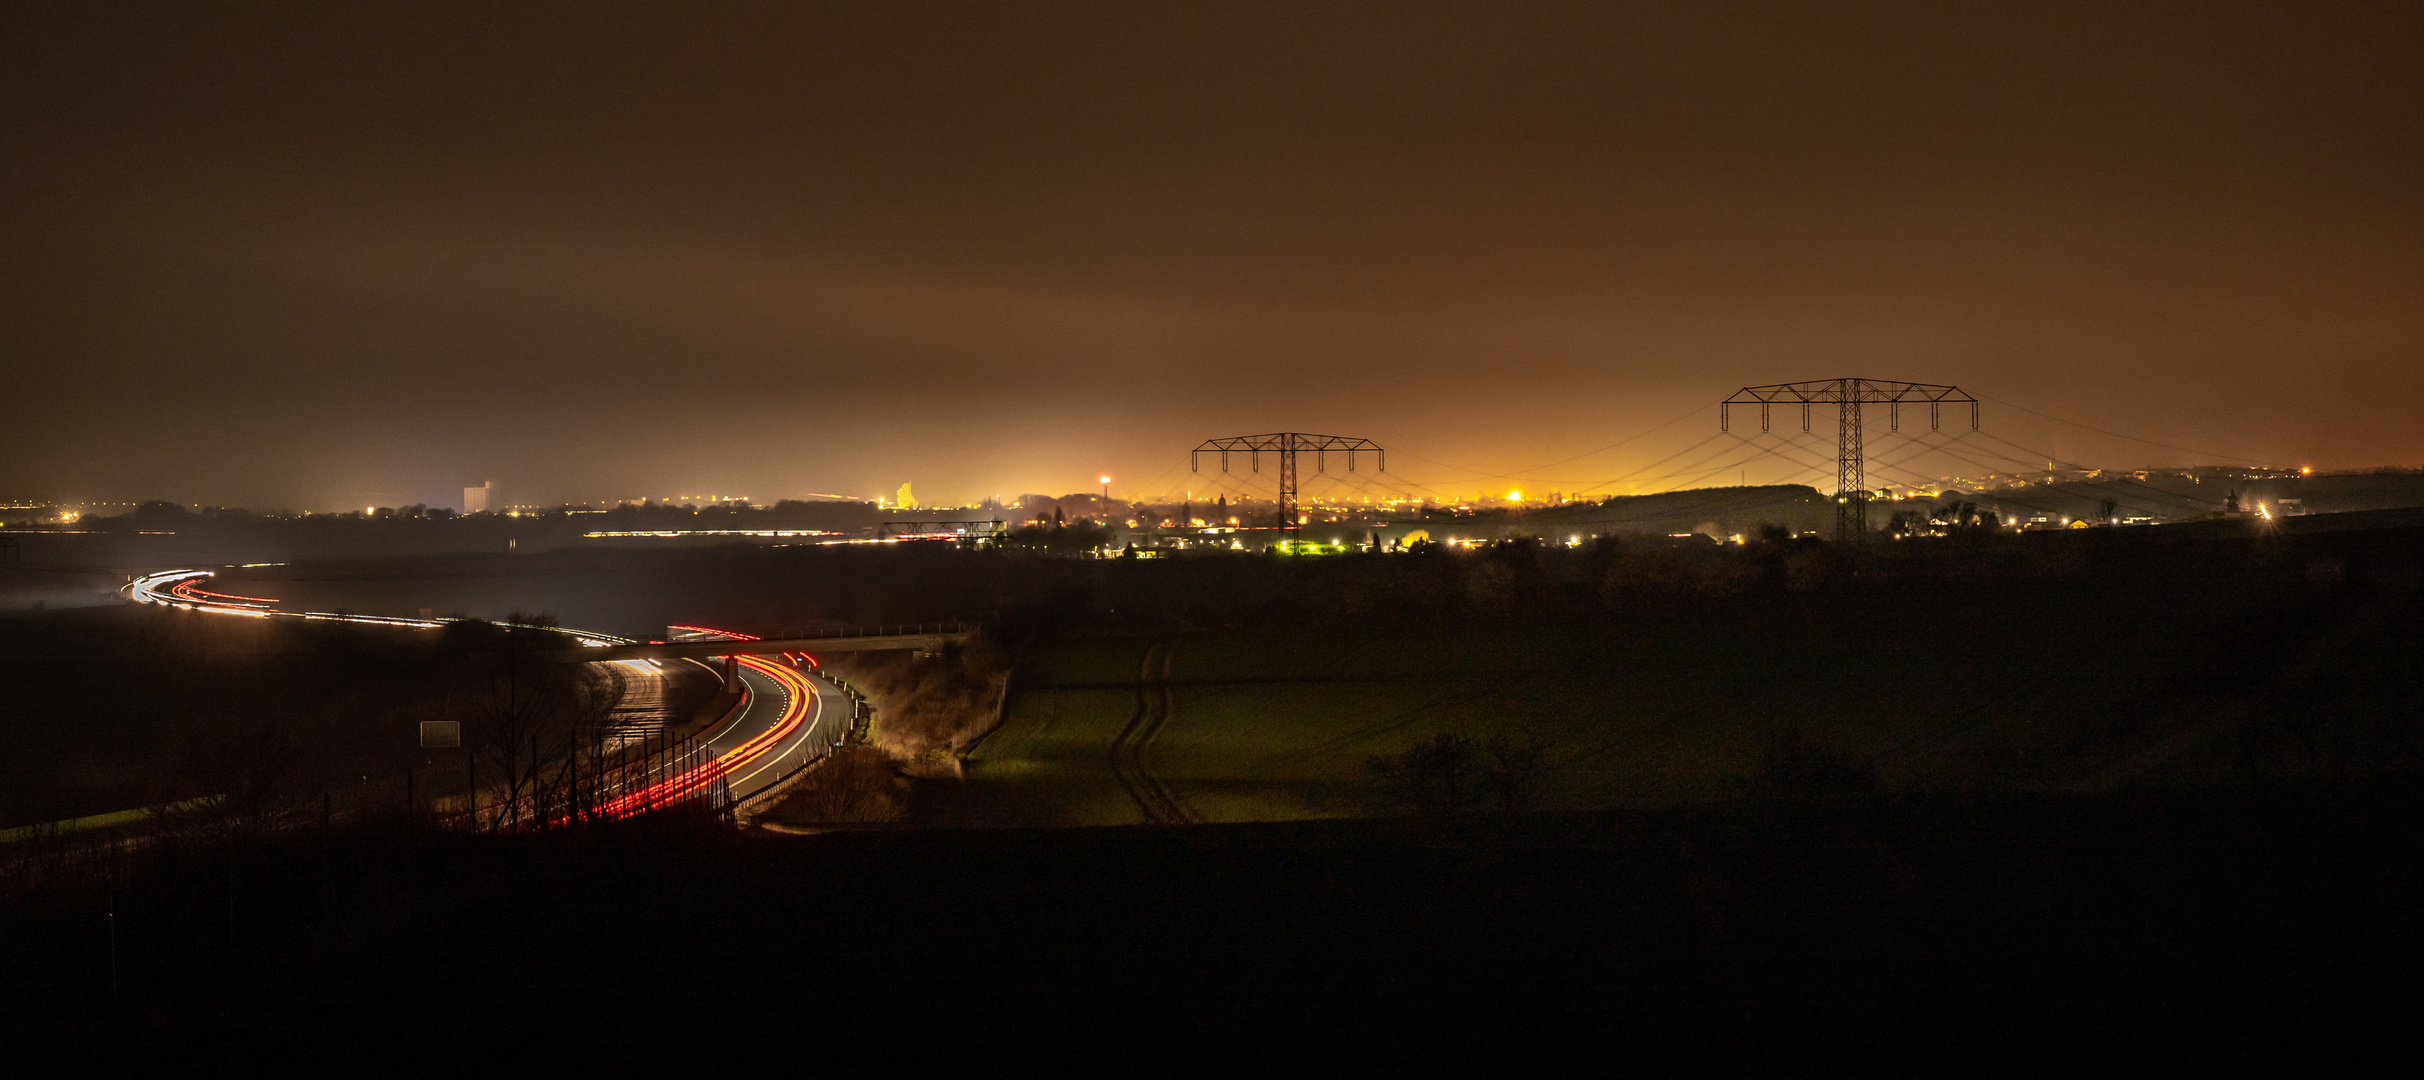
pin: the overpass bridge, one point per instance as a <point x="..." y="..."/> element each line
<point x="926" y="638"/>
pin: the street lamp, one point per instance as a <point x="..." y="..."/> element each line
<point x="1106" y="490"/>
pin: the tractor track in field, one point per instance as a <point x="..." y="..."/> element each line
<point x="1129" y="752"/>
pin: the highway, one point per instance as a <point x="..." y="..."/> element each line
<point x="756" y="763"/>
<point x="788" y="715"/>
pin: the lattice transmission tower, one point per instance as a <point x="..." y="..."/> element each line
<point x="1288" y="444"/>
<point x="1848" y="395"/>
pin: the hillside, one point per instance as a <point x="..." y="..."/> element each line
<point x="2166" y="657"/>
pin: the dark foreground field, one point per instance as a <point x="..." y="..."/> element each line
<point x="1877" y="933"/>
<point x="2124" y="800"/>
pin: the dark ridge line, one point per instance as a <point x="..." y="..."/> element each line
<point x="1458" y="675"/>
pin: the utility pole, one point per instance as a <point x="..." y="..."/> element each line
<point x="1286" y="445"/>
<point x="1848" y="395"/>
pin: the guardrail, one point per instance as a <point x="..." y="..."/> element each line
<point x="902" y="630"/>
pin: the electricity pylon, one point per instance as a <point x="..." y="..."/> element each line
<point x="1848" y="395"/>
<point x="1288" y="444"/>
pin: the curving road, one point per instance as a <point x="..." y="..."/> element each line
<point x="789" y="716"/>
<point x="756" y="762"/>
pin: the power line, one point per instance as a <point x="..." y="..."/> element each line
<point x="1657" y="463"/>
<point x="2005" y="497"/>
<point x="1697" y="470"/>
<point x="2116" y="479"/>
<point x="2067" y="488"/>
<point x="2132" y="438"/>
<point x="1695" y="473"/>
<point x="1525" y="474"/>
<point x="1849" y="395"/>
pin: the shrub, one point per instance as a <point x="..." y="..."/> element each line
<point x="1453" y="774"/>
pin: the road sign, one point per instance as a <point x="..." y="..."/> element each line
<point x="441" y="734"/>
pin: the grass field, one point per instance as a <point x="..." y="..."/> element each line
<point x="2077" y="687"/>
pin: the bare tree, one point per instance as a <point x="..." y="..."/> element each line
<point x="526" y="712"/>
<point x="248" y="765"/>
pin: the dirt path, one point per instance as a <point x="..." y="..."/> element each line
<point x="1129" y="752"/>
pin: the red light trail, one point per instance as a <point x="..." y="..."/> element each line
<point x="189" y="591"/>
<point x="181" y="588"/>
<point x="800" y="702"/>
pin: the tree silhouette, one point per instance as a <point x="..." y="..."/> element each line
<point x="1452" y="774"/>
<point x="524" y="711"/>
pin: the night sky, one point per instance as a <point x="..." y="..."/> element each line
<point x="327" y="255"/>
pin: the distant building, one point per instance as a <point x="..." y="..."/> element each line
<point x="905" y="500"/>
<point x="481" y="499"/>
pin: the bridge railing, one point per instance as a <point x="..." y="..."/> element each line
<point x="902" y="630"/>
